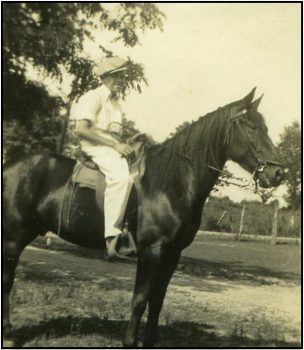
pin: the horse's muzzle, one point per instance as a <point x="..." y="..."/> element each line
<point x="272" y="176"/>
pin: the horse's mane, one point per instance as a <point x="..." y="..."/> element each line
<point x="200" y="142"/>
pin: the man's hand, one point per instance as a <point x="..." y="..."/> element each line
<point x="123" y="149"/>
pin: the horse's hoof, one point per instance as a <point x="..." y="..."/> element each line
<point x="9" y="343"/>
<point x="130" y="345"/>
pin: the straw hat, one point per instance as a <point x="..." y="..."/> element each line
<point x="110" y="65"/>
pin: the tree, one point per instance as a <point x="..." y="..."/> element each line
<point x="129" y="128"/>
<point x="49" y="37"/>
<point x="265" y="194"/>
<point x="289" y="149"/>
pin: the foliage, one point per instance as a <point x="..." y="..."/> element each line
<point x="289" y="149"/>
<point x="223" y="180"/>
<point x="128" y="128"/>
<point x="265" y="194"/>
<point x="179" y="128"/>
<point x="213" y="224"/>
<point x="50" y="37"/>
<point x="18" y="139"/>
<point x="223" y="215"/>
<point x="28" y="129"/>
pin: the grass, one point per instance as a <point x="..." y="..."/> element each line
<point x="74" y="300"/>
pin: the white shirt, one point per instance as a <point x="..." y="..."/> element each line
<point x="98" y="107"/>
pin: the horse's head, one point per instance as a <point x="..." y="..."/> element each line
<point x="249" y="143"/>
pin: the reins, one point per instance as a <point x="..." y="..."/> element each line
<point x="228" y="137"/>
<point x="229" y="175"/>
<point x="261" y="163"/>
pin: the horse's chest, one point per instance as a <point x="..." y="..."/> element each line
<point x="158" y="214"/>
<point x="160" y="217"/>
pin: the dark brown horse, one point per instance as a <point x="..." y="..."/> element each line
<point x="164" y="216"/>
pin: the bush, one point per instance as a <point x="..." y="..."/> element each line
<point x="222" y="215"/>
<point x="213" y="225"/>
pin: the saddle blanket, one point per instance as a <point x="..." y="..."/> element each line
<point x="84" y="176"/>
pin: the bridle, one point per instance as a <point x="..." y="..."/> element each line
<point x="234" y="120"/>
<point x="261" y="163"/>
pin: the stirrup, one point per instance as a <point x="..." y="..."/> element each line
<point x="114" y="252"/>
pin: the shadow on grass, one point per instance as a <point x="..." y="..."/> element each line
<point x="55" y="277"/>
<point x="181" y="334"/>
<point x="235" y="271"/>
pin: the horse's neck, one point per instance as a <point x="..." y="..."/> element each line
<point x="207" y="176"/>
<point x="207" y="153"/>
<point x="182" y="166"/>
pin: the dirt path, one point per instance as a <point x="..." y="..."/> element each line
<point x="208" y="311"/>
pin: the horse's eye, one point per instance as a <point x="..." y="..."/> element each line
<point x="250" y="124"/>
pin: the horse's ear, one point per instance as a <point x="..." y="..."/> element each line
<point x="248" y="98"/>
<point x="255" y="104"/>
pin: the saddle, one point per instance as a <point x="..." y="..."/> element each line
<point x="87" y="174"/>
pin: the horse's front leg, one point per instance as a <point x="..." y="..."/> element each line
<point x="167" y="267"/>
<point x="147" y="267"/>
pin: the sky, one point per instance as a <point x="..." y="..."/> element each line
<point x="209" y="55"/>
<point x="212" y="54"/>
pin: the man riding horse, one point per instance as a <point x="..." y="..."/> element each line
<point x="175" y="181"/>
<point x="98" y="118"/>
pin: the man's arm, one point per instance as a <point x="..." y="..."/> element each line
<point x="86" y="131"/>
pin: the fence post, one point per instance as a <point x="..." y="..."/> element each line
<point x="222" y="217"/>
<point x="242" y="222"/>
<point x="274" y="232"/>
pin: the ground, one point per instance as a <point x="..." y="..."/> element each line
<point x="223" y="294"/>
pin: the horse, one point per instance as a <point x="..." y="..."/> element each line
<point x="164" y="211"/>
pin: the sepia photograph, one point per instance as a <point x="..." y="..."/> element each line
<point x="152" y="175"/>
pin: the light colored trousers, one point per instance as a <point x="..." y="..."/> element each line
<point x="118" y="185"/>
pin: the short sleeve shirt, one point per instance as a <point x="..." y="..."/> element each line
<point x="98" y="107"/>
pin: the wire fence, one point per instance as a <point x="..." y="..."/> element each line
<point x="251" y="219"/>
